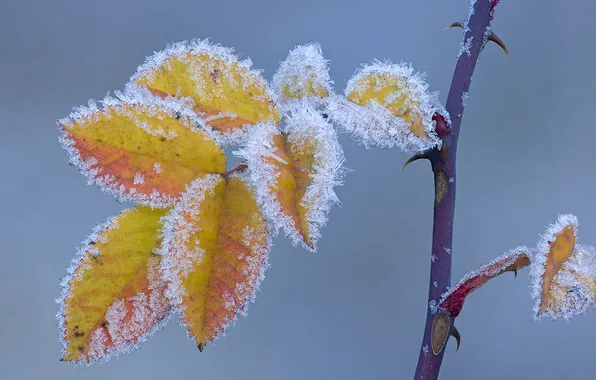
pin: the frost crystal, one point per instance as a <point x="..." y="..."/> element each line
<point x="258" y="147"/>
<point x="571" y="290"/>
<point x="402" y="117"/>
<point x="465" y="47"/>
<point x="304" y="75"/>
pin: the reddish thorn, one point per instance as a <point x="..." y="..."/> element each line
<point x="325" y="116"/>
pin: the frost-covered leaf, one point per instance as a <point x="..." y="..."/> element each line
<point x="563" y="273"/>
<point x="114" y="297"/>
<point x="216" y="248"/>
<point x="303" y="75"/>
<point x="227" y="93"/>
<point x="388" y="105"/>
<point x="141" y="149"/>
<point x="453" y="300"/>
<point x="294" y="173"/>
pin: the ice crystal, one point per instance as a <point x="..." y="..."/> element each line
<point x="258" y="148"/>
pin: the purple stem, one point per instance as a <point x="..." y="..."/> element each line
<point x="476" y="32"/>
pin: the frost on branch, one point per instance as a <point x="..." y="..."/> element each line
<point x="215" y="248"/>
<point x="304" y="75"/>
<point x="225" y="91"/>
<point x="294" y="173"/>
<point x="113" y="297"/>
<point x="140" y="148"/>
<point x="563" y="273"/>
<point x="453" y="300"/>
<point x="388" y="105"/>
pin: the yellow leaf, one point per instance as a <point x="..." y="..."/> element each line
<point x="217" y="245"/>
<point x="226" y="92"/>
<point x="388" y="105"/>
<point x="303" y="74"/>
<point x="396" y="87"/>
<point x="140" y="151"/>
<point x="114" y="297"/>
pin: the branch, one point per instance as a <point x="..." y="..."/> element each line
<point x="477" y="31"/>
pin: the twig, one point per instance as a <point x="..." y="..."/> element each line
<point x="477" y="31"/>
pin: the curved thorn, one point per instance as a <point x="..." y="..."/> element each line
<point x="515" y="273"/>
<point x="493" y="37"/>
<point x="455" y="334"/>
<point x="416" y="157"/>
<point x="458" y="24"/>
<point x="201" y="346"/>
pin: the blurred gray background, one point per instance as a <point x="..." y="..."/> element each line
<point x="354" y="310"/>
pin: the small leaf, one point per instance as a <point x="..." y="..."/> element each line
<point x="388" y="105"/>
<point x="227" y="93"/>
<point x="563" y="273"/>
<point x="303" y="75"/>
<point x="453" y="300"/>
<point x="141" y="150"/>
<point x="216" y="246"/>
<point x="114" y="297"/>
<point x="294" y="173"/>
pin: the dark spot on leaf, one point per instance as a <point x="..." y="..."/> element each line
<point x="162" y="138"/>
<point x="81" y="348"/>
<point x="215" y="75"/>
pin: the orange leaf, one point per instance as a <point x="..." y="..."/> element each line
<point x="453" y="300"/>
<point x="114" y="297"/>
<point x="226" y="92"/>
<point x="294" y="173"/>
<point x="139" y="150"/>
<point x="563" y="273"/>
<point x="216" y="246"/>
